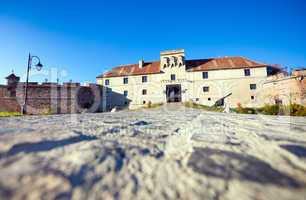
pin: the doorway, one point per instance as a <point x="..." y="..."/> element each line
<point x="174" y="93"/>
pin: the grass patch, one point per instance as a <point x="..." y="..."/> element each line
<point x="289" y="110"/>
<point x="10" y="114"/>
<point x="153" y="105"/>
<point x="203" y="107"/>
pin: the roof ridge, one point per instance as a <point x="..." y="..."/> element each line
<point x="258" y="62"/>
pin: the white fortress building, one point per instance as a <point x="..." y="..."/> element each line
<point x="213" y="81"/>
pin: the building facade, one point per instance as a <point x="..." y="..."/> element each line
<point x="213" y="81"/>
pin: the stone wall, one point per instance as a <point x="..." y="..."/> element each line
<point x="285" y="90"/>
<point x="51" y="98"/>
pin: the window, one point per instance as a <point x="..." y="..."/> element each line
<point x="125" y="93"/>
<point x="144" y="92"/>
<point x="106" y="82"/>
<point x="172" y="77"/>
<point x="252" y="86"/>
<point x="247" y="72"/>
<point x="144" y="79"/>
<point x="252" y="97"/>
<point x="272" y="71"/>
<point x="205" y="75"/>
<point x="144" y="102"/>
<point x="108" y="90"/>
<point x="125" y="80"/>
<point x="209" y="99"/>
<point x="205" y="89"/>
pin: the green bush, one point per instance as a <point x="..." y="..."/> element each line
<point x="203" y="107"/>
<point x="153" y="105"/>
<point x="292" y="110"/>
<point x="10" y="114"/>
<point x="297" y="110"/>
<point x="270" y="110"/>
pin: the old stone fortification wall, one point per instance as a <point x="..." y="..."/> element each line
<point x="50" y="98"/>
<point x="285" y="89"/>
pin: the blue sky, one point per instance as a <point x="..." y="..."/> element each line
<point x="78" y="40"/>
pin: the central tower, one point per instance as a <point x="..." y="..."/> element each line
<point x="172" y="58"/>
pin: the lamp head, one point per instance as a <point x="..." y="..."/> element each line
<point x="39" y="66"/>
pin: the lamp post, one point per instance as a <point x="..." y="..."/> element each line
<point x="38" y="68"/>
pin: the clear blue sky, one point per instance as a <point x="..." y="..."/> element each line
<point x="84" y="38"/>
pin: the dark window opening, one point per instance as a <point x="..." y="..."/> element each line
<point x="253" y="86"/>
<point x="172" y="77"/>
<point x="272" y="71"/>
<point x="144" y="102"/>
<point x="144" y="79"/>
<point x="173" y="93"/>
<point x="205" y="75"/>
<point x="126" y="103"/>
<point x="205" y="89"/>
<point x="125" y="93"/>
<point x="209" y="99"/>
<point x="144" y="92"/>
<point x="106" y="82"/>
<point x="252" y="97"/>
<point x="247" y="72"/>
<point x="125" y="80"/>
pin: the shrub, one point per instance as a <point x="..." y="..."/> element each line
<point x="270" y="109"/>
<point x="243" y="110"/>
<point x="10" y="114"/>
<point x="292" y="110"/>
<point x="297" y="110"/>
<point x="153" y="105"/>
<point x="203" y="107"/>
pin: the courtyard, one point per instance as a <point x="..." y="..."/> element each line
<point x="171" y="152"/>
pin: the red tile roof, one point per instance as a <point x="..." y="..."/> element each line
<point x="133" y="69"/>
<point x="191" y="65"/>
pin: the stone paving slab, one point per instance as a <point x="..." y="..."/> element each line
<point x="176" y="153"/>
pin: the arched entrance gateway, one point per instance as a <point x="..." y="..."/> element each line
<point x="174" y="93"/>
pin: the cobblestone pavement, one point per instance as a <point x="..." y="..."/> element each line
<point x="164" y="153"/>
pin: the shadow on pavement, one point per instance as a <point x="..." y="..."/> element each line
<point x="47" y="145"/>
<point x="229" y="165"/>
<point x="297" y="150"/>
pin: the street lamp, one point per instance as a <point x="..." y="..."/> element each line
<point x="38" y="66"/>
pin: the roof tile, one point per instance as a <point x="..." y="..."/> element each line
<point x="191" y="65"/>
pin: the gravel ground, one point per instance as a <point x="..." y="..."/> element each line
<point x="166" y="153"/>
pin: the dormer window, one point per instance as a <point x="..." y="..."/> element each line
<point x="107" y="82"/>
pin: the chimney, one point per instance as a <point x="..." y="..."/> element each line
<point x="141" y="63"/>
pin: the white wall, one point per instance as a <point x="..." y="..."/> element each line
<point x="220" y="82"/>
